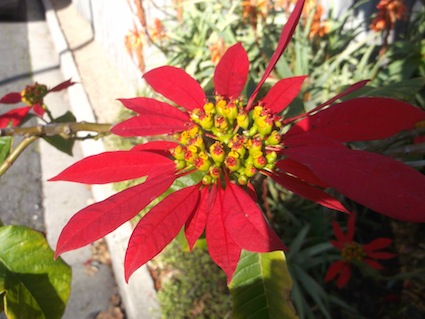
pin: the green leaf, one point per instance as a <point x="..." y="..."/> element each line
<point x="32" y="284"/>
<point x="261" y="287"/>
<point x="5" y="145"/>
<point x="62" y="144"/>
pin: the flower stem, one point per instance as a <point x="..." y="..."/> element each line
<point x="15" y="153"/>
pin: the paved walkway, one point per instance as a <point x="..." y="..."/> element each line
<point x="94" y="98"/>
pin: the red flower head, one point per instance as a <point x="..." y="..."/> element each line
<point x="228" y="142"/>
<point x="354" y="253"/>
<point x="33" y="96"/>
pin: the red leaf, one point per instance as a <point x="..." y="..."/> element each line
<point x="38" y="110"/>
<point x="158" y="227"/>
<point x="282" y="93"/>
<point x="160" y="147"/>
<point x="361" y="119"/>
<point x="62" y="86"/>
<point x="334" y="270"/>
<point x="195" y="225"/>
<point x="148" y="106"/>
<point x="149" y="125"/>
<point x="376" y="244"/>
<point x="373" y="264"/>
<point x="347" y="91"/>
<point x="222" y="248"/>
<point x="339" y="235"/>
<point x="309" y="192"/>
<point x="99" y="219"/>
<point x="285" y="38"/>
<point x="177" y="86"/>
<point x="385" y="185"/>
<point x="300" y="171"/>
<point x="11" y="98"/>
<point x="231" y="72"/>
<point x="13" y="117"/>
<point x="246" y="223"/>
<point x="115" y="166"/>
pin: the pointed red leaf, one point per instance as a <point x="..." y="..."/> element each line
<point x="385" y="185"/>
<point x="349" y="236"/>
<point x="148" y="106"/>
<point x="282" y="93"/>
<point x="300" y="171"/>
<point x="373" y="263"/>
<point x="344" y="276"/>
<point x="334" y="270"/>
<point x="160" y="147"/>
<point x="376" y="244"/>
<point x="222" y="248"/>
<point x="380" y="255"/>
<point x="115" y="166"/>
<point x="285" y="38"/>
<point x="11" y="98"/>
<point x="99" y="219"/>
<point x="177" y="86"/>
<point x="339" y="235"/>
<point x="246" y="223"/>
<point x="361" y="119"/>
<point x="62" y="86"/>
<point x="309" y="192"/>
<point x="158" y="227"/>
<point x="195" y="224"/>
<point x="231" y="72"/>
<point x="347" y="91"/>
<point x="149" y="125"/>
<point x="13" y="117"/>
<point x="38" y="110"/>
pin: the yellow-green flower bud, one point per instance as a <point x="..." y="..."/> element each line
<point x="217" y="152"/>
<point x="180" y="164"/>
<point x="201" y="162"/>
<point x="214" y="172"/>
<point x="242" y="179"/>
<point x="259" y="160"/>
<point x="271" y="157"/>
<point x="209" y="108"/>
<point x="219" y="106"/>
<point x="207" y="180"/>
<point x="178" y="152"/>
<point x="274" y="138"/>
<point x="254" y="145"/>
<point x="206" y="121"/>
<point x="232" y="161"/>
<point x="243" y="120"/>
<point x="250" y="170"/>
<point x="221" y="123"/>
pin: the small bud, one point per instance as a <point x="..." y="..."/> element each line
<point x="250" y="170"/>
<point x="214" y="172"/>
<point x="259" y="160"/>
<point x="178" y="152"/>
<point x="274" y="138"/>
<point x="243" y="120"/>
<point x="217" y="152"/>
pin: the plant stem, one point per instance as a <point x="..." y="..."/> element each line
<point x="67" y="129"/>
<point x="15" y="153"/>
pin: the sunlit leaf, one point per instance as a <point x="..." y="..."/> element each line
<point x="261" y="287"/>
<point x="32" y="284"/>
<point x="177" y="86"/>
<point x="158" y="227"/>
<point x="231" y="72"/>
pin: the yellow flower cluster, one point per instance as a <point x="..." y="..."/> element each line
<point x="223" y="136"/>
<point x="34" y="94"/>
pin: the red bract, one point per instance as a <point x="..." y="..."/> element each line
<point x="354" y="253"/>
<point x="33" y="96"/>
<point x="228" y="143"/>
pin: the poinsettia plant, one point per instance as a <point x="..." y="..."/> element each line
<point x="231" y="142"/>
<point x="353" y="253"/>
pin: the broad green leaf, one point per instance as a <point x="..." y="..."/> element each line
<point x="62" y="144"/>
<point x="32" y="284"/>
<point x="261" y="287"/>
<point x="5" y="145"/>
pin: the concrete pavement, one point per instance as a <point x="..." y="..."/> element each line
<point x="96" y="99"/>
<point x="52" y="61"/>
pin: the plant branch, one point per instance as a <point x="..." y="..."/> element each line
<point x="64" y="129"/>
<point x="15" y="153"/>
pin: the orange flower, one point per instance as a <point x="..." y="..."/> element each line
<point x="390" y="11"/>
<point x="217" y="50"/>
